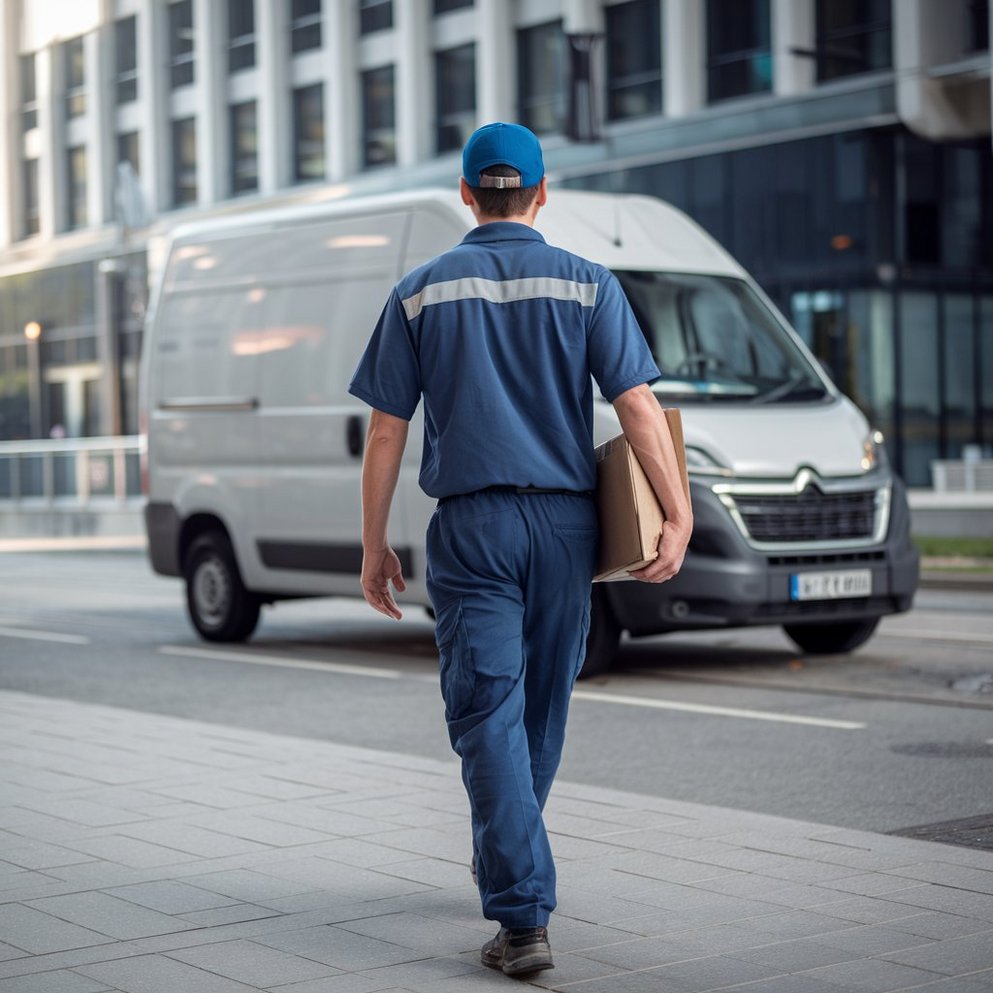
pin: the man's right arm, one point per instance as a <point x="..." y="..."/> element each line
<point x="646" y="430"/>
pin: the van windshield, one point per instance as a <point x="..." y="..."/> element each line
<point x="715" y="340"/>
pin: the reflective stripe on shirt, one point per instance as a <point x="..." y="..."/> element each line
<point x="500" y="291"/>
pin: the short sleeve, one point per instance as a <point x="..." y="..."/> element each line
<point x="619" y="355"/>
<point x="388" y="375"/>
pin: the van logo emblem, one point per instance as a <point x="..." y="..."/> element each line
<point x="803" y="479"/>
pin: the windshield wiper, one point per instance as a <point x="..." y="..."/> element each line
<point x="795" y="388"/>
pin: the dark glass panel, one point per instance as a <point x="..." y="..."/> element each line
<point x="853" y="36"/>
<point x="184" y="162"/>
<point x="739" y="54"/>
<point x="378" y="117"/>
<point x="181" y="43"/>
<point x="375" y="15"/>
<point x="455" y="96"/>
<point x="541" y="77"/>
<point x="305" y="25"/>
<point x="634" y="59"/>
<point x="308" y="133"/>
<point x="244" y="148"/>
<point x="126" y="59"/>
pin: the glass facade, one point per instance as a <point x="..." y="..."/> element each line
<point x="542" y="77"/>
<point x="184" y="162"/>
<point x="308" y="133"/>
<point x="74" y="70"/>
<point x="127" y="150"/>
<point x="979" y="25"/>
<point x="378" y="117"/>
<point x="181" y="43"/>
<point x="455" y="96"/>
<point x="244" y="148"/>
<point x="853" y="36"/>
<point x="305" y="25"/>
<point x="76" y="188"/>
<point x="888" y="280"/>
<point x="444" y="6"/>
<point x="634" y="59"/>
<point x="30" y="219"/>
<point x="375" y="15"/>
<point x="739" y="48"/>
<point x="241" y="35"/>
<point x="29" y="93"/>
<point x="126" y="60"/>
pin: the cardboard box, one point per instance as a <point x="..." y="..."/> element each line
<point x="630" y="514"/>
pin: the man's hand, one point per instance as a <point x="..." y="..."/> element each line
<point x="672" y="548"/>
<point x="379" y="569"/>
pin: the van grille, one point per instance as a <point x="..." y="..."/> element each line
<point x="809" y="516"/>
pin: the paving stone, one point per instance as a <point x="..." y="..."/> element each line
<point x="249" y="885"/>
<point x="60" y="981"/>
<point x="873" y="939"/>
<point x="424" y="971"/>
<point x="352" y="982"/>
<point x="266" y="831"/>
<point x="109" y="915"/>
<point x="954" y="957"/>
<point x="170" y="897"/>
<point x="230" y="915"/>
<point x="191" y="839"/>
<point x="980" y="983"/>
<point x="947" y="874"/>
<point x="86" y="812"/>
<point x="342" y="949"/>
<point x="252" y="963"/>
<point x="37" y="932"/>
<point x="714" y="972"/>
<point x="872" y="975"/>
<point x="935" y="924"/>
<point x="131" y="851"/>
<point x="160" y="974"/>
<point x="41" y="855"/>
<point x="415" y="931"/>
<point x="794" y="956"/>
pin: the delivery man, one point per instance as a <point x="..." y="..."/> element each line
<point x="500" y="336"/>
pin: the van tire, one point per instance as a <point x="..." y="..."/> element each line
<point x="831" y="639"/>
<point x="603" y="639"/>
<point x="220" y="607"/>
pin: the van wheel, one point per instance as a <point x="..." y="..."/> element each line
<point x="603" y="639"/>
<point x="220" y="607"/>
<point x="831" y="639"/>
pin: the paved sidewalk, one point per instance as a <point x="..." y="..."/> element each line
<point x="154" y="854"/>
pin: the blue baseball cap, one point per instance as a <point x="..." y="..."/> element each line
<point x="503" y="144"/>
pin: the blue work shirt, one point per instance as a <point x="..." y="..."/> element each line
<point x="500" y="335"/>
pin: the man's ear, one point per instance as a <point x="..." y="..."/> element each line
<point x="466" y="192"/>
<point x="542" y="198"/>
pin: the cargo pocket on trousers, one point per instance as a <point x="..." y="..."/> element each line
<point x="458" y="680"/>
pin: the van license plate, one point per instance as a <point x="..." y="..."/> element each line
<point x="830" y="585"/>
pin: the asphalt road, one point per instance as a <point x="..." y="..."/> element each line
<point x="897" y="735"/>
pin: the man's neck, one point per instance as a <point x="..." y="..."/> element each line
<point x="527" y="219"/>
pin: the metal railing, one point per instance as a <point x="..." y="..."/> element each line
<point x="75" y="471"/>
<point x="962" y="475"/>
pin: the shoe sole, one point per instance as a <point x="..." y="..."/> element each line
<point x="531" y="963"/>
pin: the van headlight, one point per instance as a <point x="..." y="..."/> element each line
<point x="702" y="462"/>
<point x="873" y="451"/>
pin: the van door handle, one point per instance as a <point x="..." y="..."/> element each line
<point x="354" y="433"/>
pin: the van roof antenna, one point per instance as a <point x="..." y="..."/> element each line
<point x="617" y="224"/>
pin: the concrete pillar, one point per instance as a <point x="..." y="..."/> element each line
<point x="98" y="56"/>
<point x="684" y="56"/>
<point x="274" y="108"/>
<point x="154" y="137"/>
<point x="51" y="145"/>
<point x="342" y="112"/>
<point x="794" y="25"/>
<point x="416" y="108"/>
<point x="10" y="128"/>
<point x="210" y="84"/>
<point x="496" y="63"/>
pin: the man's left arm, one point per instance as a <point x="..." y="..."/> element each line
<point x="385" y="443"/>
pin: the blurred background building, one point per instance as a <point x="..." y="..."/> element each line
<point x="839" y="148"/>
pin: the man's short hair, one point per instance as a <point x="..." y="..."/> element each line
<point x="508" y="202"/>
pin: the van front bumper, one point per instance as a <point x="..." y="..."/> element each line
<point x="725" y="582"/>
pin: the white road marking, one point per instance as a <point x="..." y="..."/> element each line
<point x="700" y="708"/>
<point x="30" y="635"/>
<point x="978" y="639"/>
<point x="348" y="670"/>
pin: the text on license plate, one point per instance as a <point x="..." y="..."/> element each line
<point x="830" y="585"/>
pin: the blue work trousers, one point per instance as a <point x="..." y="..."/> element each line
<point x="509" y="576"/>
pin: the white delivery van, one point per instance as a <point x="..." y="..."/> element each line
<point x="254" y="447"/>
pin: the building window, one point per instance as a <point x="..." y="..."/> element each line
<point x="444" y="6"/>
<point x="308" y="133"/>
<point x="541" y="77"/>
<point x="76" y="199"/>
<point x="31" y="213"/>
<point x="241" y="35"/>
<point x="375" y="15"/>
<point x="305" y="25"/>
<point x="127" y="150"/>
<point x="853" y="36"/>
<point x="378" y="117"/>
<point x="184" y="162"/>
<point x="979" y="26"/>
<point x="181" y="43"/>
<point x="29" y="93"/>
<point x="739" y="56"/>
<point x="126" y="60"/>
<point x="455" y="96"/>
<point x="244" y="148"/>
<point x="634" y="60"/>
<point x="74" y="68"/>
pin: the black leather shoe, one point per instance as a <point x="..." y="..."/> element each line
<point x="519" y="951"/>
